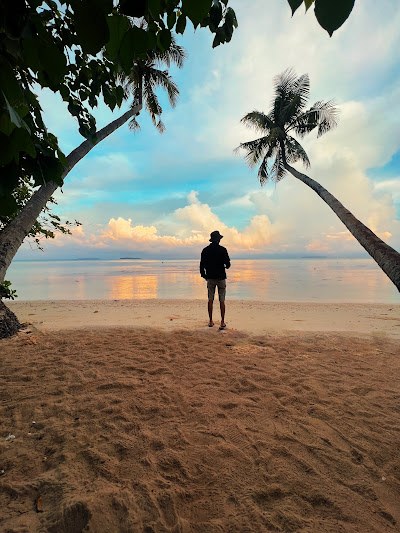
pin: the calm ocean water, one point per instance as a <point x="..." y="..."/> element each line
<point x="277" y="280"/>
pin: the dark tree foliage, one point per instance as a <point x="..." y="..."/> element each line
<point x="77" y="48"/>
<point x="331" y="14"/>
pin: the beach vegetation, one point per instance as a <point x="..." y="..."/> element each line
<point x="276" y="149"/>
<point x="6" y="291"/>
<point x="46" y="225"/>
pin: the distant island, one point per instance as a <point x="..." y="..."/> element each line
<point x="131" y="258"/>
<point x="315" y="257"/>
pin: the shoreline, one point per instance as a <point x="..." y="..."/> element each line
<point x="250" y="317"/>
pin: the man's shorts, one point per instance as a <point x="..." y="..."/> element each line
<point x="221" y="284"/>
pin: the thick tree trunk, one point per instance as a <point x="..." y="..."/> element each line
<point x="13" y="235"/>
<point x="386" y="256"/>
<point x="9" y="323"/>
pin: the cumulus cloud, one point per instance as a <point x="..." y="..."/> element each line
<point x="194" y="222"/>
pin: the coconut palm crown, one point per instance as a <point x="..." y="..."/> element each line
<point x="146" y="75"/>
<point x="288" y="115"/>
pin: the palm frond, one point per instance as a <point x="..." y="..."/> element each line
<point x="256" y="150"/>
<point x="302" y="89"/>
<point x="174" y="54"/>
<point x="161" y="78"/>
<point x="160" y="126"/>
<point x="263" y="173"/>
<point x="296" y="99"/>
<point x="285" y="82"/>
<point x="151" y="102"/>
<point x="322" y="115"/>
<point x="295" y="152"/>
<point x="284" y="85"/>
<point x="134" y="124"/>
<point x="278" y="170"/>
<point x="259" y="121"/>
<point x="291" y="96"/>
<point x="136" y="94"/>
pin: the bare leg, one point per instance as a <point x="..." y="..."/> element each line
<point x="222" y="307"/>
<point x="210" y="312"/>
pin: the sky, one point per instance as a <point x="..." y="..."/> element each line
<point x="143" y="194"/>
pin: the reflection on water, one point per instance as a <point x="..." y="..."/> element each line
<point x="132" y="287"/>
<point x="295" y="280"/>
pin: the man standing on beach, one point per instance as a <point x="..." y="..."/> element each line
<point x="214" y="260"/>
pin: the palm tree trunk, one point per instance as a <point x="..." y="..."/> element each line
<point x="386" y="256"/>
<point x="13" y="235"/>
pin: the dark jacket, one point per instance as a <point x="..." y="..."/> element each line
<point x="214" y="260"/>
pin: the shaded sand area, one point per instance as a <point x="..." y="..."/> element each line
<point x="144" y="430"/>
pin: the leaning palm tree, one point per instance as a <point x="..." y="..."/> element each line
<point x="140" y="85"/>
<point x="277" y="148"/>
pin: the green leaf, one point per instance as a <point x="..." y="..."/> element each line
<point x="134" y="43"/>
<point x="119" y="95"/>
<point x="171" y="19"/>
<point x="105" y="5"/>
<point x="91" y="26"/>
<point x="21" y="142"/>
<point x="64" y="91"/>
<point x="118" y="26"/>
<point x="215" y="16"/>
<point x="219" y="37"/>
<point x="10" y="85"/>
<point x="308" y="4"/>
<point x="180" y="24"/>
<point x="62" y="158"/>
<point x="230" y="18"/>
<point x="109" y="98"/>
<point x="331" y="15"/>
<point x="51" y="170"/>
<point x="196" y="11"/>
<point x="164" y="39"/>
<point x="11" y="146"/>
<point x="53" y="62"/>
<point x="11" y="170"/>
<point x="6" y="291"/>
<point x="6" y="126"/>
<point x="295" y="4"/>
<point x="8" y="205"/>
<point x="154" y="7"/>
<point x="14" y="116"/>
<point x="132" y="8"/>
<point x="6" y="153"/>
<point x="74" y="108"/>
<point x="31" y="53"/>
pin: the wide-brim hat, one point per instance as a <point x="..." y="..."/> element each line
<point x="215" y="236"/>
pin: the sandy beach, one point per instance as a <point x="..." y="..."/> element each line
<point x="134" y="416"/>
<point x="250" y="317"/>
